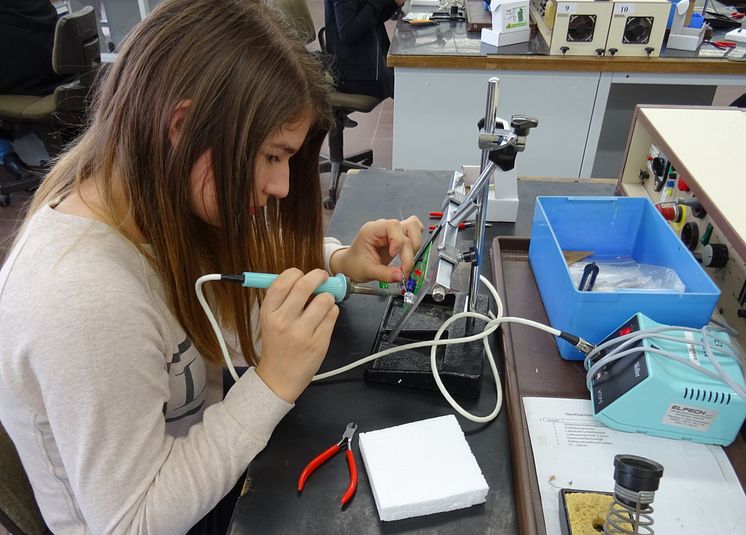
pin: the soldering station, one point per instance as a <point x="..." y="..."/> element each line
<point x="674" y="382"/>
<point x="659" y="350"/>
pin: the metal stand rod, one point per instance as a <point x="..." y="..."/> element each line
<point x="480" y="220"/>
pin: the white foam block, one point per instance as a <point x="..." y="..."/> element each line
<point x="738" y="34"/>
<point x="422" y="468"/>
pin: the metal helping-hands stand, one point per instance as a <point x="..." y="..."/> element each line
<point x="435" y="299"/>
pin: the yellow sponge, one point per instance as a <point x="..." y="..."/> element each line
<point x="586" y="511"/>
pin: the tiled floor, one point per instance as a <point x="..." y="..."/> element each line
<point x="373" y="130"/>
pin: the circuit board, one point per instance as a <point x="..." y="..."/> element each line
<point x="417" y="279"/>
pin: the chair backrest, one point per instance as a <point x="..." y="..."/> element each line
<point x="76" y="46"/>
<point x="322" y="39"/>
<point x="298" y="16"/>
<point x="18" y="510"/>
<point x="76" y="51"/>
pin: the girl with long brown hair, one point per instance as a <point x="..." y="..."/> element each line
<point x="201" y="157"/>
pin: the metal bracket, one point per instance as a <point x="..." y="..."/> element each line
<point x="499" y="146"/>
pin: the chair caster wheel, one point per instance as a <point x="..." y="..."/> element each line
<point x="5" y="199"/>
<point x="329" y="203"/>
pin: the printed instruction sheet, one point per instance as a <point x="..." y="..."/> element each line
<point x="699" y="491"/>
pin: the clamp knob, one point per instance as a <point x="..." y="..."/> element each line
<point x="504" y="157"/>
<point x="470" y="255"/>
<point x="564" y="49"/>
<point x="522" y="124"/>
<point x="613" y="51"/>
<point x="439" y="293"/>
<point x="649" y="50"/>
<point x="600" y="52"/>
<point x="480" y="124"/>
<point x="715" y="255"/>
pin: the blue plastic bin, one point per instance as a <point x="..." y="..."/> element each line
<point x="612" y="227"/>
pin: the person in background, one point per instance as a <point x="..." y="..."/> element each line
<point x="356" y="38"/>
<point x="26" y="26"/>
<point x="201" y="157"/>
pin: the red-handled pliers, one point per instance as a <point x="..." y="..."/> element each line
<point x="722" y="45"/>
<point x="345" y="442"/>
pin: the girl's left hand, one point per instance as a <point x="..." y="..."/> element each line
<point x="377" y="243"/>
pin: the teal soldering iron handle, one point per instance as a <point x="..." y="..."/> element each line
<point x="336" y="285"/>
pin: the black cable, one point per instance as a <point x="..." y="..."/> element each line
<point x="583" y="345"/>
<point x="719" y="21"/>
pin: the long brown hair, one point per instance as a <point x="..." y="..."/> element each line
<point x="246" y="76"/>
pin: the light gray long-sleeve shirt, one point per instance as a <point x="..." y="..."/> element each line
<point x="103" y="394"/>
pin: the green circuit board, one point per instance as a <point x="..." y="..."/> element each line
<point x="419" y="272"/>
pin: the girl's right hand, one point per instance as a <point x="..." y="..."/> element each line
<point x="295" y="332"/>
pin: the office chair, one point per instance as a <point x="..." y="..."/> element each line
<point x="75" y="52"/>
<point x="19" y="513"/>
<point x="299" y="17"/>
<point x="343" y="104"/>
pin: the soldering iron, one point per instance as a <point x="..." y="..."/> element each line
<point x="340" y="286"/>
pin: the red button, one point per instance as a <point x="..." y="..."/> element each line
<point x="625" y="330"/>
<point x="668" y="212"/>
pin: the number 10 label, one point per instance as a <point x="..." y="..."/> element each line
<point x="623" y="9"/>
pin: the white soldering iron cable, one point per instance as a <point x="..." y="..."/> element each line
<point x="213" y="322"/>
<point x="493" y="322"/>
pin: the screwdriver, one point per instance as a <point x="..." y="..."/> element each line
<point x="340" y="286"/>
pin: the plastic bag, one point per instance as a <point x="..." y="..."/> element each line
<point x="626" y="273"/>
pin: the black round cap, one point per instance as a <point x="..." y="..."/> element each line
<point x="637" y="473"/>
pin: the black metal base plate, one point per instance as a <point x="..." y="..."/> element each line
<point x="459" y="365"/>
